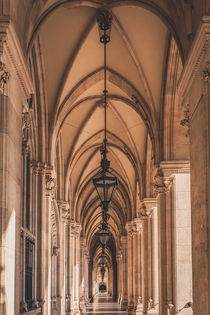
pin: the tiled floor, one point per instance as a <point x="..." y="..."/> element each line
<point x="103" y="304"/>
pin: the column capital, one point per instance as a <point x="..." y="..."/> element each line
<point x="158" y="183"/>
<point x="75" y="229"/>
<point x="38" y="168"/>
<point x="138" y="224"/>
<point x="55" y="251"/>
<point x="50" y="180"/>
<point x="63" y="206"/>
<point x="150" y="203"/>
<point x="129" y="228"/>
<point x="142" y="210"/>
<point x="4" y="76"/>
<point x="164" y="177"/>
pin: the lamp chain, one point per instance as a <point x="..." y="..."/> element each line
<point x="105" y="92"/>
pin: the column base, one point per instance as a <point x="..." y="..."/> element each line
<point x="139" y="310"/>
<point x="131" y="310"/>
<point x="153" y="311"/>
<point x="75" y="311"/>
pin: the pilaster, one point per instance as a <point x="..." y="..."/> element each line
<point x="119" y="275"/>
<point x="138" y="225"/>
<point x="63" y="207"/>
<point x="75" y="229"/>
<point x="129" y="229"/>
<point x="123" y="241"/>
<point x="170" y="234"/>
<point x="144" y="255"/>
<point x="194" y="88"/>
<point x="153" y="283"/>
<point x="160" y="190"/>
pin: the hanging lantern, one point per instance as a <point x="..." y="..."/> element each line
<point x="102" y="273"/>
<point x="106" y="182"/>
<point x="104" y="236"/>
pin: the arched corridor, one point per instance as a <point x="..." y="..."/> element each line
<point x="131" y="113"/>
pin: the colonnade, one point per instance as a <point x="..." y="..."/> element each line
<point x="154" y="260"/>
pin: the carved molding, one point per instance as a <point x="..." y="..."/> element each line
<point x="129" y="228"/>
<point x="55" y="251"/>
<point x="150" y="203"/>
<point x="142" y="210"/>
<point x="185" y="122"/>
<point x="64" y="210"/>
<point x="170" y="168"/>
<point x="50" y="181"/>
<point x="35" y="304"/>
<point x="4" y="77"/>
<point x="196" y="58"/>
<point x="158" y="184"/>
<point x="38" y="168"/>
<point x="206" y="73"/>
<point x="25" y="128"/>
<point x="138" y="224"/>
<point x="23" y="306"/>
<point x="75" y="229"/>
<point x="3" y="34"/>
<point x="15" y="55"/>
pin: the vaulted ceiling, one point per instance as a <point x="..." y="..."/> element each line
<point x="72" y="62"/>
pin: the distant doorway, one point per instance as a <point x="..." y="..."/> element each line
<point x="102" y="287"/>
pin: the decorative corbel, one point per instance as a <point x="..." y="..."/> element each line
<point x="158" y="184"/>
<point x="50" y="181"/>
<point x="56" y="251"/>
<point x="206" y="73"/>
<point x="4" y="76"/>
<point x="25" y="130"/>
<point x="186" y="120"/>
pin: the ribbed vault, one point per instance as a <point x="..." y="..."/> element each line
<point x="73" y="83"/>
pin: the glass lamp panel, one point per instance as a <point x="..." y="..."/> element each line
<point x="105" y="185"/>
<point x="104" y="237"/>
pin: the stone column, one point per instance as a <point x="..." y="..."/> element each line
<point x="46" y="238"/>
<point x="160" y="191"/>
<point x="124" y="271"/>
<point x="83" y="273"/>
<point x="25" y="152"/>
<point x="119" y="275"/>
<point x="144" y="256"/>
<point x="10" y="197"/>
<point x="75" y="266"/>
<point x="139" y="304"/>
<point x="135" y="262"/>
<point x="86" y="275"/>
<point x="194" y="87"/>
<point x="175" y="242"/>
<point x="64" y="212"/>
<point x="90" y="277"/>
<point x="153" y="294"/>
<point x="129" y="229"/>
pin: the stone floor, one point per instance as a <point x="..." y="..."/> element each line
<point x="103" y="304"/>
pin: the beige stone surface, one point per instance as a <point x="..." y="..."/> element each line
<point x="158" y="82"/>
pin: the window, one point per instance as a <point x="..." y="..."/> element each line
<point x="29" y="271"/>
<point x="27" y="194"/>
<point x="28" y="238"/>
